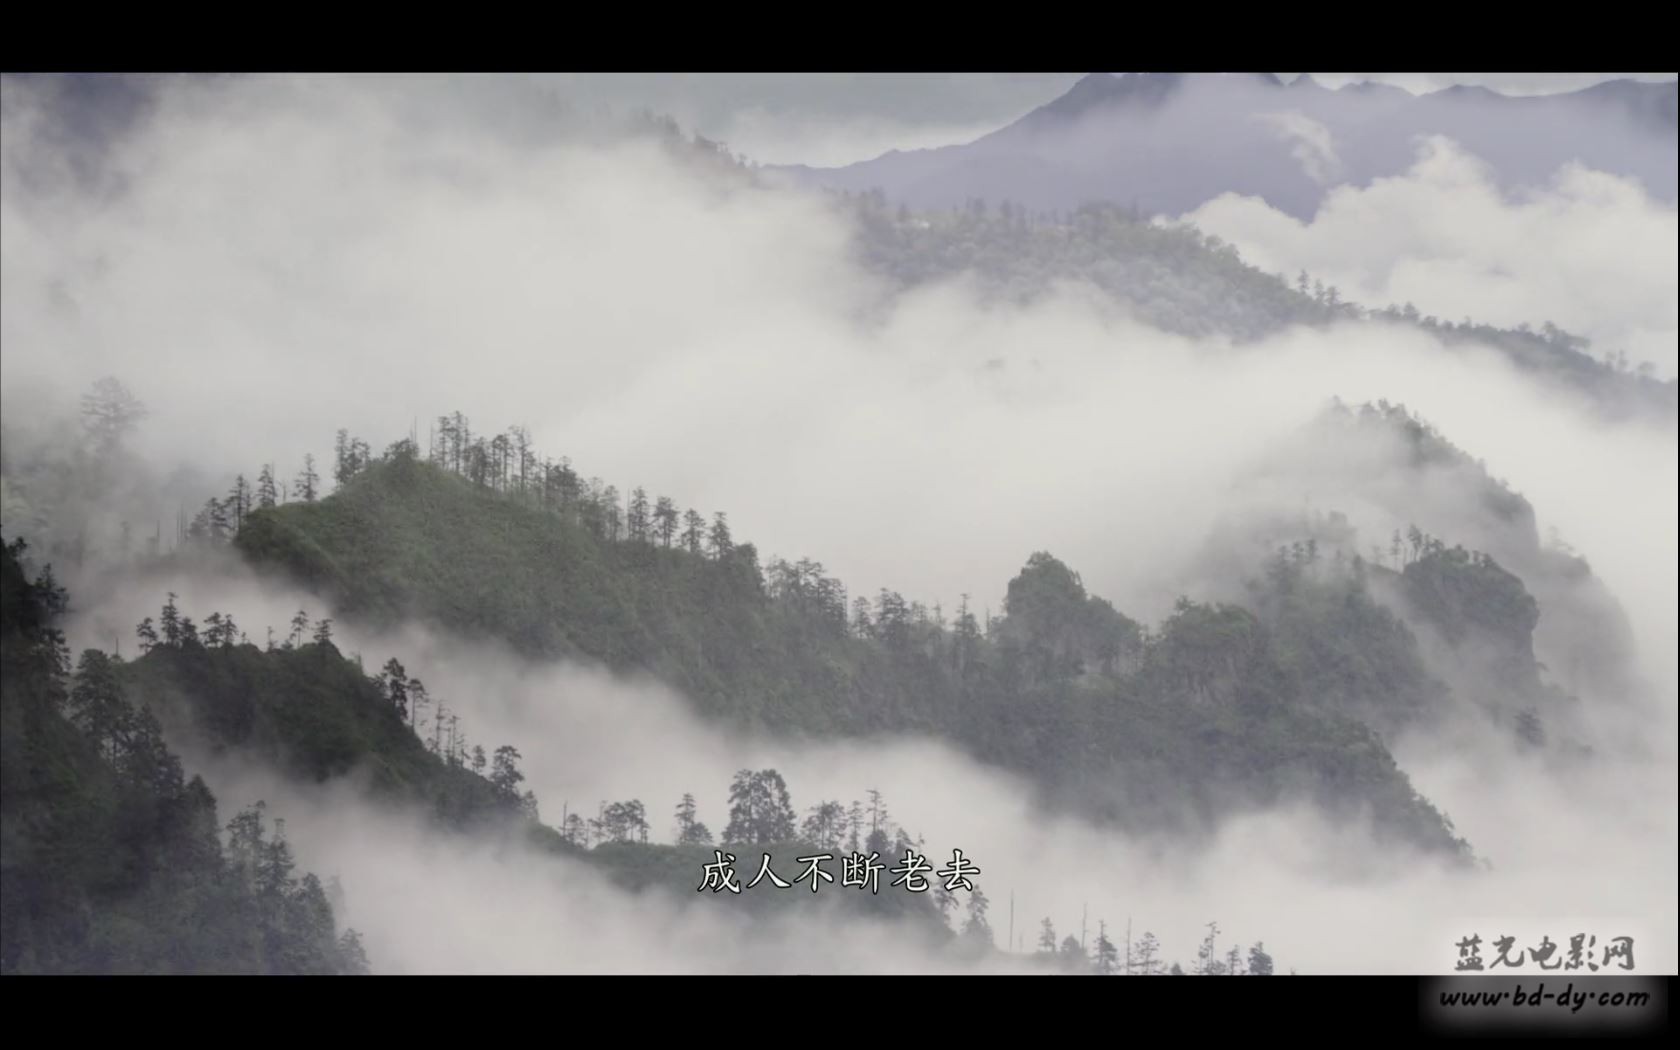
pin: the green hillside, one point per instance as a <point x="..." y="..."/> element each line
<point x="1175" y="726"/>
<point x="112" y="861"/>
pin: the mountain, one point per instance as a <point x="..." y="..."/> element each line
<point x="112" y="861"/>
<point x="1168" y="142"/>
<point x="1176" y="278"/>
<point x="1179" y="726"/>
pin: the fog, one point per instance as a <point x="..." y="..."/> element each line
<point x="1504" y="83"/>
<point x="267" y="279"/>
<point x="281" y="260"/>
<point x="1169" y="142"/>
<point x="1564" y="848"/>
<point x="1444" y="237"/>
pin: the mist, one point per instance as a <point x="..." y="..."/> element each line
<point x="282" y="259"/>
<point x="365" y="274"/>
<point x="1444" y="236"/>
<point x="1590" y="847"/>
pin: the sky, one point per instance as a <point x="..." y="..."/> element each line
<point x="828" y="119"/>
<point x="389" y="274"/>
<point x="279" y="260"/>
<point x="1442" y="235"/>
<point x="1564" y="848"/>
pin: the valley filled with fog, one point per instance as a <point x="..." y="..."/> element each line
<point x="1298" y="559"/>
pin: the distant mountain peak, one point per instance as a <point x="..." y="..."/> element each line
<point x="1108" y="90"/>
<point x="1103" y="90"/>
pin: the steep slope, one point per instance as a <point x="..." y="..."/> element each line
<point x="313" y="714"/>
<point x="1179" y="728"/>
<point x="1508" y="627"/>
<point x="1385" y="457"/>
<point x="1168" y="142"/>
<point x="112" y="861"/>
<point x="1181" y="280"/>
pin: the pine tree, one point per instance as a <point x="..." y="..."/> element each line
<point x="97" y="706"/>
<point x="824" y="825"/>
<point x="396" y="686"/>
<point x="267" y="494"/>
<point x="1207" y="956"/>
<point x="694" y="531"/>
<point x="213" y="630"/>
<point x="1146" y="955"/>
<point x="945" y="901"/>
<point x="417" y="700"/>
<point x="238" y="503"/>
<point x="637" y="518"/>
<point x="854" y="825"/>
<point x="308" y="482"/>
<point x="352" y="959"/>
<point x="685" y="817"/>
<point x="505" y="775"/>
<point x="759" y="808"/>
<point x="171" y="622"/>
<point x="343" y="461"/>
<point x="1107" y="955"/>
<point x="665" y="520"/>
<point x="109" y="413"/>
<point x="977" y="929"/>
<point x="720" y="542"/>
<point x="147" y="634"/>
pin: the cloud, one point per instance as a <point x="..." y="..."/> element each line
<point x="1590" y="252"/>
<point x="1504" y="83"/>
<point x="1311" y="144"/>
<point x="282" y="260"/>
<point x="287" y="262"/>
<point x="1572" y="849"/>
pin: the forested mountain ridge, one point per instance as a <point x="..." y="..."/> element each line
<point x="1172" y="141"/>
<point x="1384" y="456"/>
<point x="1178" y="279"/>
<point x="1222" y="707"/>
<point x="113" y="865"/>
<point x="310" y="711"/>
<point x="1373" y="629"/>
<point x="112" y="862"/>
<point x="1176" y="725"/>
<point x="1170" y="275"/>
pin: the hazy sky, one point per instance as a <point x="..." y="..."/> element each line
<point x="837" y="118"/>
<point x="1324" y="899"/>
<point x="283" y="260"/>
<point x="1443" y="236"/>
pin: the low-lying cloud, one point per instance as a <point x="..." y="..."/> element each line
<point x="1587" y="847"/>
<point x="1592" y="253"/>
<point x="284" y="259"/>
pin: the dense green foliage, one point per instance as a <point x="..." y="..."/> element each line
<point x="112" y="861"/>
<point x="1176" y="726"/>
<point x="1179" y="279"/>
<point x="1349" y="652"/>
<point x="1488" y="610"/>
<point x="316" y="715"/>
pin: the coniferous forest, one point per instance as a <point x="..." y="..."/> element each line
<point x="1042" y="587"/>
